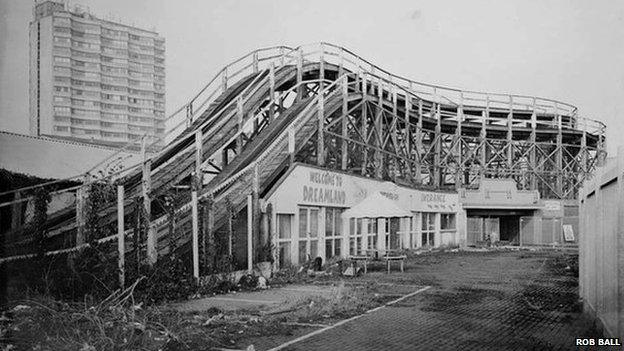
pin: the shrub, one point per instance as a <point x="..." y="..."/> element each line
<point x="248" y="282"/>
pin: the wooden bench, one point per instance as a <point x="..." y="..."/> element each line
<point x="400" y="258"/>
<point x="374" y="255"/>
<point x="360" y="258"/>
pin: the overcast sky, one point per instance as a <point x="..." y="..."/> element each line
<point x="569" y="50"/>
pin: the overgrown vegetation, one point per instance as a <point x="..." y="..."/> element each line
<point x="92" y="271"/>
<point x="118" y="322"/>
<point x="341" y="302"/>
<point x="122" y="321"/>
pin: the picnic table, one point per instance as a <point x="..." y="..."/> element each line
<point x="379" y="255"/>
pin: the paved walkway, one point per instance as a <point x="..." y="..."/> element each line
<point x="478" y="301"/>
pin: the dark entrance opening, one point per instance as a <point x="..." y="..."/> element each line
<point x="495" y="225"/>
<point x="510" y="229"/>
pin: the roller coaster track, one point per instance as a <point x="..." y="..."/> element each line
<point x="324" y="105"/>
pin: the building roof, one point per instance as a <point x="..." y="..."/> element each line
<point x="46" y="157"/>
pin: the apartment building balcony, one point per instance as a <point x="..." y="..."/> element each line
<point x="140" y="94"/>
<point x="85" y="46"/>
<point x="82" y="55"/>
<point x="61" y="51"/>
<point x="86" y="114"/>
<point x="84" y="132"/>
<point x="118" y="53"/>
<point x="61" y="100"/>
<point x="106" y="35"/>
<point x="113" y="117"/>
<point x="61" y="31"/>
<point x="114" y="80"/>
<point x="61" y="89"/>
<point x="62" y="120"/>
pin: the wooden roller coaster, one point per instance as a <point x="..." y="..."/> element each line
<point x="322" y="104"/>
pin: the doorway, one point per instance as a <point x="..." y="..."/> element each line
<point x="494" y="225"/>
<point x="393" y="240"/>
<point x="510" y="229"/>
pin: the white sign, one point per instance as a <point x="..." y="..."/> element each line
<point x="552" y="206"/>
<point x="324" y="188"/>
<point x="568" y="232"/>
<point x="312" y="186"/>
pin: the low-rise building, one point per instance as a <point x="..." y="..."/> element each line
<point x="321" y="213"/>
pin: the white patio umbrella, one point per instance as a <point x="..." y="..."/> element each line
<point x="376" y="205"/>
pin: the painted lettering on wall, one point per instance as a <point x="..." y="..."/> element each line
<point x="323" y="195"/>
<point x="325" y="178"/>
<point x="433" y="197"/>
<point x="391" y="196"/>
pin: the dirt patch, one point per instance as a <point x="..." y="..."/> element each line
<point x="550" y="298"/>
<point x="460" y="296"/>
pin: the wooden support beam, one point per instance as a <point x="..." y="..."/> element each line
<point x="322" y="69"/>
<point x="199" y="157"/>
<point x="224" y="157"/>
<point x="255" y="211"/>
<point x="533" y="152"/>
<point x="224" y="79"/>
<point x="378" y="128"/>
<point x="419" y="144"/>
<point x="394" y="130"/>
<point x="357" y="81"/>
<point x="291" y="144"/>
<point x="240" y="116"/>
<point x="299" y="75"/>
<point x="282" y="58"/>
<point x="459" y="172"/>
<point x="271" y="91"/>
<point x="345" y="118"/>
<point x="189" y="114"/>
<point x="230" y="229"/>
<point x="437" y="173"/>
<point x="462" y="174"/>
<point x="320" y="146"/>
<point x="208" y="234"/>
<point x="82" y="195"/>
<point x="364" y="82"/>
<point x="408" y="135"/>
<point x="585" y="167"/>
<point x="255" y="62"/>
<point x="249" y="233"/>
<point x="364" y="122"/>
<point x="195" y="233"/>
<point x="256" y="126"/>
<point x="559" y="152"/>
<point x="483" y="141"/>
<point x="559" y="160"/>
<point x="146" y="188"/>
<point x="341" y="64"/>
<point x="460" y="108"/>
<point x="487" y="109"/>
<point x="510" y="150"/>
<point x="121" y="238"/>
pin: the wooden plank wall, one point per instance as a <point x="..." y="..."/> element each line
<point x="601" y="246"/>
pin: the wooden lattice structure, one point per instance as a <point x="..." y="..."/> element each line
<point x="324" y="105"/>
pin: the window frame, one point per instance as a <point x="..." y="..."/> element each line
<point x="333" y="241"/>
